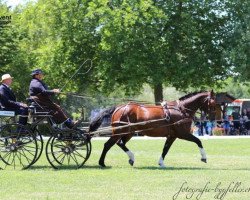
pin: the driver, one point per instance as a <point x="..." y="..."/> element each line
<point x="39" y="92"/>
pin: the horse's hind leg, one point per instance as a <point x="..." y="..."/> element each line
<point x="192" y="138"/>
<point x="107" y="146"/>
<point x="122" y="144"/>
<point x="168" y="144"/>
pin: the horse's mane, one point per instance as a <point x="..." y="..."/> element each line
<point x="97" y="121"/>
<point x="190" y="95"/>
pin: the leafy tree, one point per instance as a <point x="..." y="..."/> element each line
<point x="239" y="40"/>
<point x="62" y="40"/>
<point x="12" y="60"/>
<point x="6" y="37"/>
<point x="179" y="43"/>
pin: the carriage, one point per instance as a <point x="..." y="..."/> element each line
<point x="22" y="146"/>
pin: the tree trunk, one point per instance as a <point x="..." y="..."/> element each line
<point x="158" y="93"/>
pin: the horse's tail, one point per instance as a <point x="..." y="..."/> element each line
<point x="97" y="121"/>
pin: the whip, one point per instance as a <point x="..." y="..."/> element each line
<point x="91" y="66"/>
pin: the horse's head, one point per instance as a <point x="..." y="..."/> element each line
<point x="205" y="101"/>
<point x="209" y="105"/>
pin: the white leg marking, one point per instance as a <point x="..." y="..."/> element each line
<point x="161" y="162"/>
<point x="203" y="153"/>
<point x="130" y="155"/>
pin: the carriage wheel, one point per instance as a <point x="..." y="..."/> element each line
<point x="88" y="143"/>
<point x="18" y="147"/>
<point x="68" y="150"/>
<point x="40" y="144"/>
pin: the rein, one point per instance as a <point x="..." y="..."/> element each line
<point x="199" y="112"/>
<point x="100" y="132"/>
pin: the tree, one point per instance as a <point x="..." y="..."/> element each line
<point x="239" y="40"/>
<point x="12" y="60"/>
<point x="179" y="43"/>
<point x="58" y="39"/>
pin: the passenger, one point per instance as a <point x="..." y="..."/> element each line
<point x="8" y="100"/>
<point x="39" y="92"/>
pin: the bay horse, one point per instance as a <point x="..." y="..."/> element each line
<point x="171" y="120"/>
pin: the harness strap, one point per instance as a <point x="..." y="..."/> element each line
<point x="166" y="112"/>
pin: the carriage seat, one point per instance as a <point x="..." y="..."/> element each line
<point x="6" y="113"/>
<point x="36" y="109"/>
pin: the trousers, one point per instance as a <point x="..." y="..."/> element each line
<point x="55" y="110"/>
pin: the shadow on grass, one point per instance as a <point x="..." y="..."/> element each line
<point x="190" y="168"/>
<point x="45" y="167"/>
<point x="170" y="168"/>
<point x="97" y="167"/>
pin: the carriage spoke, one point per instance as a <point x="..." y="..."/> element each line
<point x="18" y="150"/>
<point x="5" y="156"/>
<point x="20" y="159"/>
<point x="62" y="159"/>
<point x="74" y="159"/>
<point x="24" y="155"/>
<point x="67" y="152"/>
<point x="79" y="155"/>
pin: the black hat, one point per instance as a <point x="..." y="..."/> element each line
<point x="36" y="71"/>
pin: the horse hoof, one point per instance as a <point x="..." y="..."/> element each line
<point x="204" y="160"/>
<point x="162" y="166"/>
<point x="131" y="162"/>
<point x="102" y="164"/>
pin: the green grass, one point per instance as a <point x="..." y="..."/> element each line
<point x="228" y="161"/>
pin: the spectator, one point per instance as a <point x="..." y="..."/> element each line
<point x="226" y="123"/>
<point x="245" y="120"/>
<point x="203" y="123"/>
<point x="236" y="119"/>
<point x="209" y="127"/>
<point x="248" y="113"/>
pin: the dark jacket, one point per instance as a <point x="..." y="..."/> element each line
<point x="41" y="95"/>
<point x="8" y="98"/>
<point x="38" y="87"/>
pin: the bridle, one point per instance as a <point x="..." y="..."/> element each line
<point x="210" y="102"/>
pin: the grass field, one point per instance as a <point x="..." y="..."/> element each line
<point x="228" y="167"/>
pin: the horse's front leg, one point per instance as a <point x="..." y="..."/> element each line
<point x="192" y="138"/>
<point x="122" y="144"/>
<point x="168" y="144"/>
